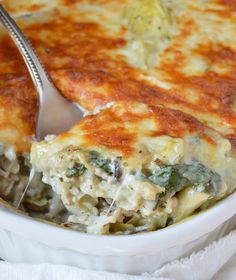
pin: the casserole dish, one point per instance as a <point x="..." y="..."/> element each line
<point x="98" y="62"/>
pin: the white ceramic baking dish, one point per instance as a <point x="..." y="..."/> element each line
<point x="25" y="240"/>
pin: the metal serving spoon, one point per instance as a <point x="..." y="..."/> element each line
<point x="55" y="113"/>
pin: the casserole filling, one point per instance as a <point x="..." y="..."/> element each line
<point x="106" y="196"/>
<point x="13" y="174"/>
<point x="147" y="184"/>
<point x="40" y="201"/>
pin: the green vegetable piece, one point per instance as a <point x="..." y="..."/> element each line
<point x="75" y="171"/>
<point x="107" y="167"/>
<point x="169" y="178"/>
<point x="176" y="177"/>
<point x="96" y="160"/>
<point x="198" y="174"/>
<point x="162" y="176"/>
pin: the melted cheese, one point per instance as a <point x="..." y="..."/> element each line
<point x="139" y="135"/>
<point x="104" y="57"/>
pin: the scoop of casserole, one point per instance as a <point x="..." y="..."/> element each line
<point x="132" y="167"/>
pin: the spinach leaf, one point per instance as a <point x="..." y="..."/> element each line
<point x="75" y="171"/>
<point x="162" y="176"/>
<point x="97" y="160"/>
<point x="175" y="177"/>
<point x="169" y="178"/>
<point x="195" y="172"/>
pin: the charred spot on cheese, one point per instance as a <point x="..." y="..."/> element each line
<point x="115" y="189"/>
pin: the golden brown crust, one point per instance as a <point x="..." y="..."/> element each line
<point x="231" y="4"/>
<point x="18" y="105"/>
<point x="121" y="126"/>
<point x="85" y="62"/>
